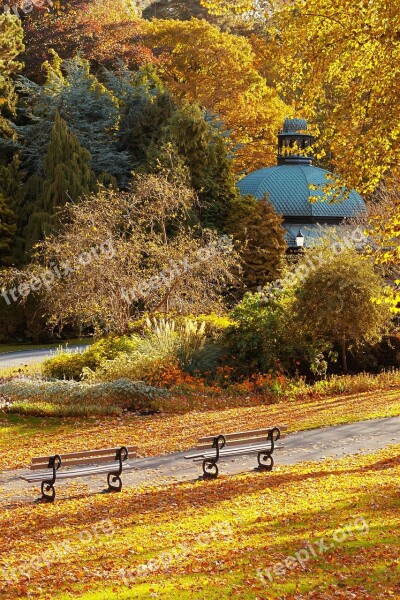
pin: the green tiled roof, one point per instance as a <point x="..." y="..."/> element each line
<point x="288" y="188"/>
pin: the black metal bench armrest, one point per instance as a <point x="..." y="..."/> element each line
<point x="47" y="485"/>
<point x="115" y="476"/>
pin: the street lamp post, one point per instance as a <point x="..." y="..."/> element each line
<point x="300" y="239"/>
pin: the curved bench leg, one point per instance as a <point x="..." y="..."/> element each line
<point x="265" y="460"/>
<point x="48" y="486"/>
<point x="210" y="469"/>
<point x="264" y="457"/>
<point x="114" y="478"/>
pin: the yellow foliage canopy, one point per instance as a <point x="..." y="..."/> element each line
<point x="221" y="7"/>
<point x="200" y="63"/>
<point x="337" y="64"/>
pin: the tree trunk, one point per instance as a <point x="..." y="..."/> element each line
<point x="344" y="355"/>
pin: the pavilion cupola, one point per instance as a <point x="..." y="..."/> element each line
<point x="294" y="143"/>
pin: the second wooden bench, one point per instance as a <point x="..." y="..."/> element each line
<point x="213" y="448"/>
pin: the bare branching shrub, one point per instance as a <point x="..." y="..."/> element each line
<point x="122" y="254"/>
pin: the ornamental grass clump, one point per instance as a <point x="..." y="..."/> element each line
<point x="166" y="348"/>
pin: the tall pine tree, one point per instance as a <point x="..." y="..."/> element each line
<point x="203" y="151"/>
<point x="13" y="190"/>
<point x="260" y="241"/>
<point x="67" y="177"/>
<point x="8" y="227"/>
<point x="143" y="124"/>
<point x="145" y="108"/>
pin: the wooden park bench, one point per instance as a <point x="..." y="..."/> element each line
<point x="213" y="448"/>
<point x="87" y="463"/>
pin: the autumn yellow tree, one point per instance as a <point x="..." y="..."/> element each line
<point x="337" y="64"/>
<point x="383" y="229"/>
<point x="344" y="75"/>
<point x="200" y="63"/>
<point x="11" y="45"/>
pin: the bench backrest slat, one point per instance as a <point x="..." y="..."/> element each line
<point x="241" y="435"/>
<point x="83" y="454"/>
<point x="244" y="441"/>
<point x="82" y="458"/>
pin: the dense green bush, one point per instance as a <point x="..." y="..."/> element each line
<point x="341" y="299"/>
<point x="328" y="303"/>
<point x="71" y="398"/>
<point x="266" y="338"/>
<point x="71" y="365"/>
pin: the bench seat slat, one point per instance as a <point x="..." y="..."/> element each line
<point x="246" y="450"/>
<point x="110" y="467"/>
<point x="241" y="434"/>
<point x="89" y="453"/>
<point x="236" y="451"/>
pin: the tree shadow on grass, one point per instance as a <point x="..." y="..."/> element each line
<point x="178" y="497"/>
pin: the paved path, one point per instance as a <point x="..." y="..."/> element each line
<point x="313" y="445"/>
<point x="23" y="358"/>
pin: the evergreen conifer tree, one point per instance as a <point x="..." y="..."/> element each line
<point x="91" y="112"/>
<point x="203" y="150"/>
<point x="8" y="227"/>
<point x="145" y="119"/>
<point x="67" y="170"/>
<point x="13" y="190"/>
<point x="145" y="106"/>
<point x="239" y="210"/>
<point x="260" y="241"/>
<point x="67" y="177"/>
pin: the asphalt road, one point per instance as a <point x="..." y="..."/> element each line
<point x="29" y="357"/>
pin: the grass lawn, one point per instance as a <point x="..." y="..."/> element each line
<point x="322" y="531"/>
<point x="21" y="438"/>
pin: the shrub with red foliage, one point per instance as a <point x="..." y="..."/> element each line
<point x="102" y="31"/>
